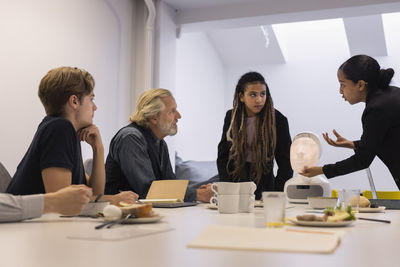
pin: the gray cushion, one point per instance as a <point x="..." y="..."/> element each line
<point x="87" y="165"/>
<point x="5" y="178"/>
<point x="195" y="171"/>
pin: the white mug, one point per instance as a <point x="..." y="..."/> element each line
<point x="246" y="203"/>
<point x="247" y="188"/>
<point x="226" y="203"/>
<point x="226" y="188"/>
<point x="214" y="200"/>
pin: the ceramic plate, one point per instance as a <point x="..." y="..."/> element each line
<point x="258" y="203"/>
<point x="372" y="210"/>
<point x="151" y="219"/>
<point x="212" y="206"/>
<point x="142" y="220"/>
<point x="320" y="224"/>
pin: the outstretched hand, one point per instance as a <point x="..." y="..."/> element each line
<point x="311" y="171"/>
<point x="340" y="141"/>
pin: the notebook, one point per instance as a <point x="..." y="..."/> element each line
<point x="168" y="194"/>
<point x="390" y="204"/>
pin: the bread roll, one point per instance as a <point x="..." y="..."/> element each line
<point x="353" y="201"/>
<point x="364" y="202"/>
<point x="138" y="210"/>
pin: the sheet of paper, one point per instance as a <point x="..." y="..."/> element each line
<point x="264" y="239"/>
<point x="118" y="232"/>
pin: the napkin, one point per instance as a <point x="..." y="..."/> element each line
<point x="266" y="239"/>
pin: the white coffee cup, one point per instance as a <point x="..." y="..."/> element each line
<point x="247" y="188"/>
<point x="226" y="188"/>
<point x="246" y="203"/>
<point x="226" y="203"/>
<point x="214" y="200"/>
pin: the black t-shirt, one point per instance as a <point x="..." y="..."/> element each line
<point x="55" y="144"/>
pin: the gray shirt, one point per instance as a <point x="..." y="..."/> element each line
<point x="18" y="208"/>
<point x="130" y="166"/>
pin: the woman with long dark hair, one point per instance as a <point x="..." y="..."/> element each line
<point x="362" y="80"/>
<point x="254" y="135"/>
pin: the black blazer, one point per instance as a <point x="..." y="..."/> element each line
<point x="380" y="137"/>
<point x="282" y="157"/>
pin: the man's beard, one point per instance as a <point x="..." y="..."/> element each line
<point x="167" y="128"/>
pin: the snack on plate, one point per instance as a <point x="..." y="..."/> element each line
<point x="309" y="218"/>
<point x="138" y="210"/>
<point x="112" y="212"/>
<point x="365" y="203"/>
<point x="330" y="215"/>
<point x="338" y="216"/>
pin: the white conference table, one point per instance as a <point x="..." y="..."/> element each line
<point x="46" y="242"/>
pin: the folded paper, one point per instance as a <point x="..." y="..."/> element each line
<point x="264" y="239"/>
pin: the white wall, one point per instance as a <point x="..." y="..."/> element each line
<point x="37" y="36"/>
<point x="199" y="94"/>
<point x="165" y="59"/>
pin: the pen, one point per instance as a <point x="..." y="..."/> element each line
<point x="374" y="220"/>
<point x="98" y="197"/>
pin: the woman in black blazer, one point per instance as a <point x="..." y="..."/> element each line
<point x="362" y="80"/>
<point x="254" y="135"/>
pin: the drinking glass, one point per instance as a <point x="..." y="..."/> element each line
<point x="274" y="208"/>
<point x="351" y="197"/>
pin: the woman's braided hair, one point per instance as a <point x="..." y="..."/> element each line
<point x="264" y="140"/>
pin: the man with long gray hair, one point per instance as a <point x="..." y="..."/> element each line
<point x="138" y="154"/>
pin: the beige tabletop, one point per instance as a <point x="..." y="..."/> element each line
<point x="54" y="241"/>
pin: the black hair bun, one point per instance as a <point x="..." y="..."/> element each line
<point x="385" y="76"/>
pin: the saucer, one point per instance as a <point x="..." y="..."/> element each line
<point x="212" y="206"/>
<point x="320" y="224"/>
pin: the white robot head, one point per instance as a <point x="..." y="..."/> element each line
<point x="305" y="151"/>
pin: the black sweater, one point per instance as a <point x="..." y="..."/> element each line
<point x="380" y="137"/>
<point x="282" y="157"/>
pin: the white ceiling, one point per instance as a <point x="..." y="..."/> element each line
<point x="246" y="46"/>
<point x="197" y="14"/>
<point x="182" y="5"/>
<point x="365" y="35"/>
<point x="225" y="21"/>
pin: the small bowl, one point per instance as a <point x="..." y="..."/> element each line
<point x="93" y="208"/>
<point x="322" y="202"/>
